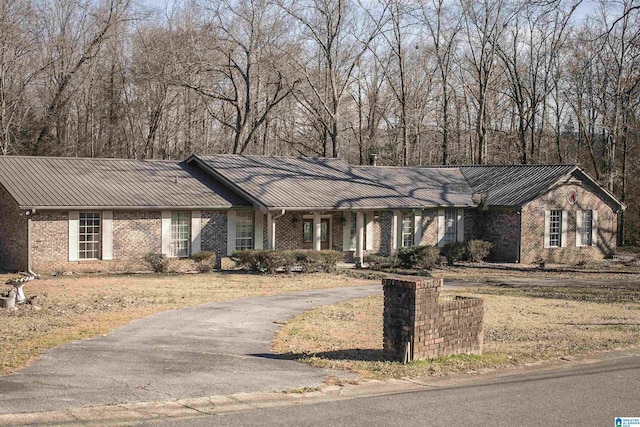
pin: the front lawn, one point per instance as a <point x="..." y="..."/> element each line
<point x="76" y="307"/>
<point x="521" y="325"/>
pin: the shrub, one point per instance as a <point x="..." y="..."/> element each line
<point x="158" y="262"/>
<point x="423" y="257"/>
<point x="204" y="260"/>
<point x="479" y="250"/>
<point x="270" y="261"/>
<point x="378" y="262"/>
<point x="453" y="252"/>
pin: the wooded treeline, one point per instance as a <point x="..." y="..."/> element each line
<point x="427" y="82"/>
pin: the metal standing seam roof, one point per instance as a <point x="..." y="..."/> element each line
<point x="299" y="183"/>
<point x="63" y="183"/>
<point x="513" y="185"/>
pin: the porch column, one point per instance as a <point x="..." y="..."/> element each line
<point x="359" y="237"/>
<point x="317" y="229"/>
<point x="271" y="231"/>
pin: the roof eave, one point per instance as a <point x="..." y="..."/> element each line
<point x="131" y="208"/>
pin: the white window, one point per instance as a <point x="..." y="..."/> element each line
<point x="180" y="234"/>
<point x="585" y="228"/>
<point x="555" y="229"/>
<point x="244" y="230"/>
<point x="407" y="229"/>
<point x="89" y="235"/>
<point x="450" y="225"/>
<point x="353" y="228"/>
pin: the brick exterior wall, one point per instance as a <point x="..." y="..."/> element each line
<point x="214" y="233"/>
<point x="413" y="314"/>
<point x="533" y="213"/>
<point x="13" y="234"/>
<point x="429" y="227"/>
<point x="289" y="231"/>
<point x="502" y="228"/>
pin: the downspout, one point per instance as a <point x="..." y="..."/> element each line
<point x="519" y="253"/>
<point x="279" y="215"/>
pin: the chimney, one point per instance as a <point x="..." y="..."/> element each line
<point x="373" y="159"/>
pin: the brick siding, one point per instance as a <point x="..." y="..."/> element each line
<point x="13" y="234"/>
<point x="533" y="213"/>
<point x="412" y="314"/>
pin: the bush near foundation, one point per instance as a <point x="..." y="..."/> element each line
<point x="204" y="260"/>
<point x="271" y="261"/>
<point x="423" y="257"/>
<point x="157" y="261"/>
<point x="453" y="252"/>
<point x="479" y="250"/>
<point x="379" y="262"/>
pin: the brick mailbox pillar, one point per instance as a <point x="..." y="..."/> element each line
<point x="417" y="326"/>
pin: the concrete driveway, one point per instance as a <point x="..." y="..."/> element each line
<point x="206" y="350"/>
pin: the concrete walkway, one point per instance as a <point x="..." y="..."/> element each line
<point x="206" y="350"/>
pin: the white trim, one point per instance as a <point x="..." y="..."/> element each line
<point x="594" y="227"/>
<point x="107" y="235"/>
<point x="74" y="231"/>
<point x="417" y="227"/>
<point x="231" y="232"/>
<point x="579" y="228"/>
<point x="563" y="238"/>
<point x="258" y="231"/>
<point x="547" y="223"/>
<point x="346" y="231"/>
<point x="440" y="228"/>
<point x="370" y="221"/>
<point x="396" y="221"/>
<point x="360" y="236"/>
<point x="271" y="231"/>
<point x="166" y="233"/>
<point x="460" y="226"/>
<point x="317" y="231"/>
<point x="196" y="229"/>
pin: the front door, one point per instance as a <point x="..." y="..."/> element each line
<point x="307" y="233"/>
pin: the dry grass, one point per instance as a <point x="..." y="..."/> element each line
<point x="76" y="307"/>
<point x="519" y="328"/>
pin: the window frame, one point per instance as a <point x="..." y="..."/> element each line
<point x="450" y="229"/>
<point x="180" y="234"/>
<point x="585" y="228"/>
<point x="245" y="230"/>
<point x="555" y="223"/>
<point x="97" y="236"/>
<point x="407" y="229"/>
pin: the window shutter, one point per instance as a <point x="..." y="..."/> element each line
<point x="565" y="217"/>
<point x="166" y="233"/>
<point x="395" y="223"/>
<point x="369" y="231"/>
<point x="196" y="235"/>
<point x="258" y="233"/>
<point x="578" y="228"/>
<point x="74" y="230"/>
<point x="440" y="227"/>
<point x="346" y="231"/>
<point x="417" y="227"/>
<point x="594" y="227"/>
<point x="231" y="232"/>
<point x="460" y="226"/>
<point x="107" y="235"/>
<point x="547" y="221"/>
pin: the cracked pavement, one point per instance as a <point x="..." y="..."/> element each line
<point x="206" y="350"/>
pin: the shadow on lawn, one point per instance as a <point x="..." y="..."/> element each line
<point x="365" y="355"/>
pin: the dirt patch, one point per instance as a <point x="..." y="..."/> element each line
<point x="76" y="307"/>
<point x="521" y="326"/>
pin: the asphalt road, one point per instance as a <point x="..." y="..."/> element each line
<point x="588" y="395"/>
<point x="206" y="350"/>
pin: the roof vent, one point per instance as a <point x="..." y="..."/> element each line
<point x="373" y="159"/>
<point x="176" y="179"/>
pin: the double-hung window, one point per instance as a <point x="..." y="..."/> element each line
<point x="244" y="230"/>
<point x="584" y="226"/>
<point x="407" y="229"/>
<point x="89" y="235"/>
<point x="555" y="229"/>
<point x="450" y="225"/>
<point x="180" y="234"/>
<point x="353" y="228"/>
